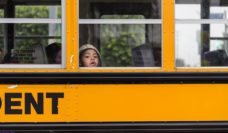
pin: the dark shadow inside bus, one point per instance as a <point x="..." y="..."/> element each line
<point x="120" y="42"/>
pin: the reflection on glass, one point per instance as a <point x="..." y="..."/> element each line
<point x="38" y="12"/>
<point x="187" y="45"/>
<point x="219" y="30"/>
<point x="30" y="9"/>
<point x="1" y="13"/>
<point x="38" y="29"/>
<point x="201" y="9"/>
<point x="193" y="11"/>
<point x="217" y="45"/>
<point x="93" y="10"/>
<point x="126" y="45"/>
<point x="197" y="46"/>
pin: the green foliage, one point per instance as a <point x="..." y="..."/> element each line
<point x="116" y="52"/>
<point x="1" y="25"/>
<point x="117" y="41"/>
<point x="28" y="35"/>
<point x="31" y="12"/>
<point x="33" y="29"/>
<point x="1" y="13"/>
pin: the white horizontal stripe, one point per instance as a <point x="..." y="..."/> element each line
<point x="120" y="21"/>
<point x="201" y="21"/>
<point x="29" y="20"/>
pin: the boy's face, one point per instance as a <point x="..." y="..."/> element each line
<point x="90" y="58"/>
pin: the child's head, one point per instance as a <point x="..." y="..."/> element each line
<point x="53" y="52"/>
<point x="89" y="56"/>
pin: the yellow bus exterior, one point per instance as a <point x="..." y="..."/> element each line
<point x="113" y="102"/>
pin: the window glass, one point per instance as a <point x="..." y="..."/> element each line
<point x="1" y="25"/>
<point x="1" y="13"/>
<point x="122" y="17"/>
<point x="31" y="9"/>
<point x="1" y="30"/>
<point x="120" y="33"/>
<point x="201" y="9"/>
<point x="28" y="38"/>
<point x="1" y="49"/>
<point x="201" y="43"/>
<point x="151" y="9"/>
<point x="193" y="11"/>
<point x="34" y="44"/>
<point x="187" y="40"/>
<point x="38" y="11"/>
<point x="195" y="48"/>
<point x="38" y="29"/>
<point x="126" y="45"/>
<point x="1" y="36"/>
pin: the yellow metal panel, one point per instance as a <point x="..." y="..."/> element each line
<point x="167" y="102"/>
<point x="168" y="36"/>
<point x="72" y="31"/>
<point x="66" y="106"/>
<point x="116" y="103"/>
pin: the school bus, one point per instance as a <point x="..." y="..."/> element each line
<point x="163" y="66"/>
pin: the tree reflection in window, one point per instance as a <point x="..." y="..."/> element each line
<point x="120" y="39"/>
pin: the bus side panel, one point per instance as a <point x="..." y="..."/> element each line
<point x="114" y="103"/>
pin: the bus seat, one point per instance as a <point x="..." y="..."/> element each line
<point x="215" y="58"/>
<point x="39" y="54"/>
<point x="143" y="56"/>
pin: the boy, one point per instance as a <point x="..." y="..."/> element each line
<point x="89" y="56"/>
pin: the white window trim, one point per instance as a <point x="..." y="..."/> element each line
<point x="63" y="25"/>
<point x="201" y="21"/>
<point x="29" y="20"/>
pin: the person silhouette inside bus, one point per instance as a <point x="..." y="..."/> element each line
<point x="89" y="56"/>
<point x="53" y="52"/>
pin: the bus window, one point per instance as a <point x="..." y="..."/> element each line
<point x="30" y="27"/>
<point x="50" y="11"/>
<point x="1" y="36"/>
<point x="126" y="33"/>
<point x="201" y="37"/>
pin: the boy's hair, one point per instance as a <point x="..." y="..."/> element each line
<point x="82" y="50"/>
<point x="52" y="50"/>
